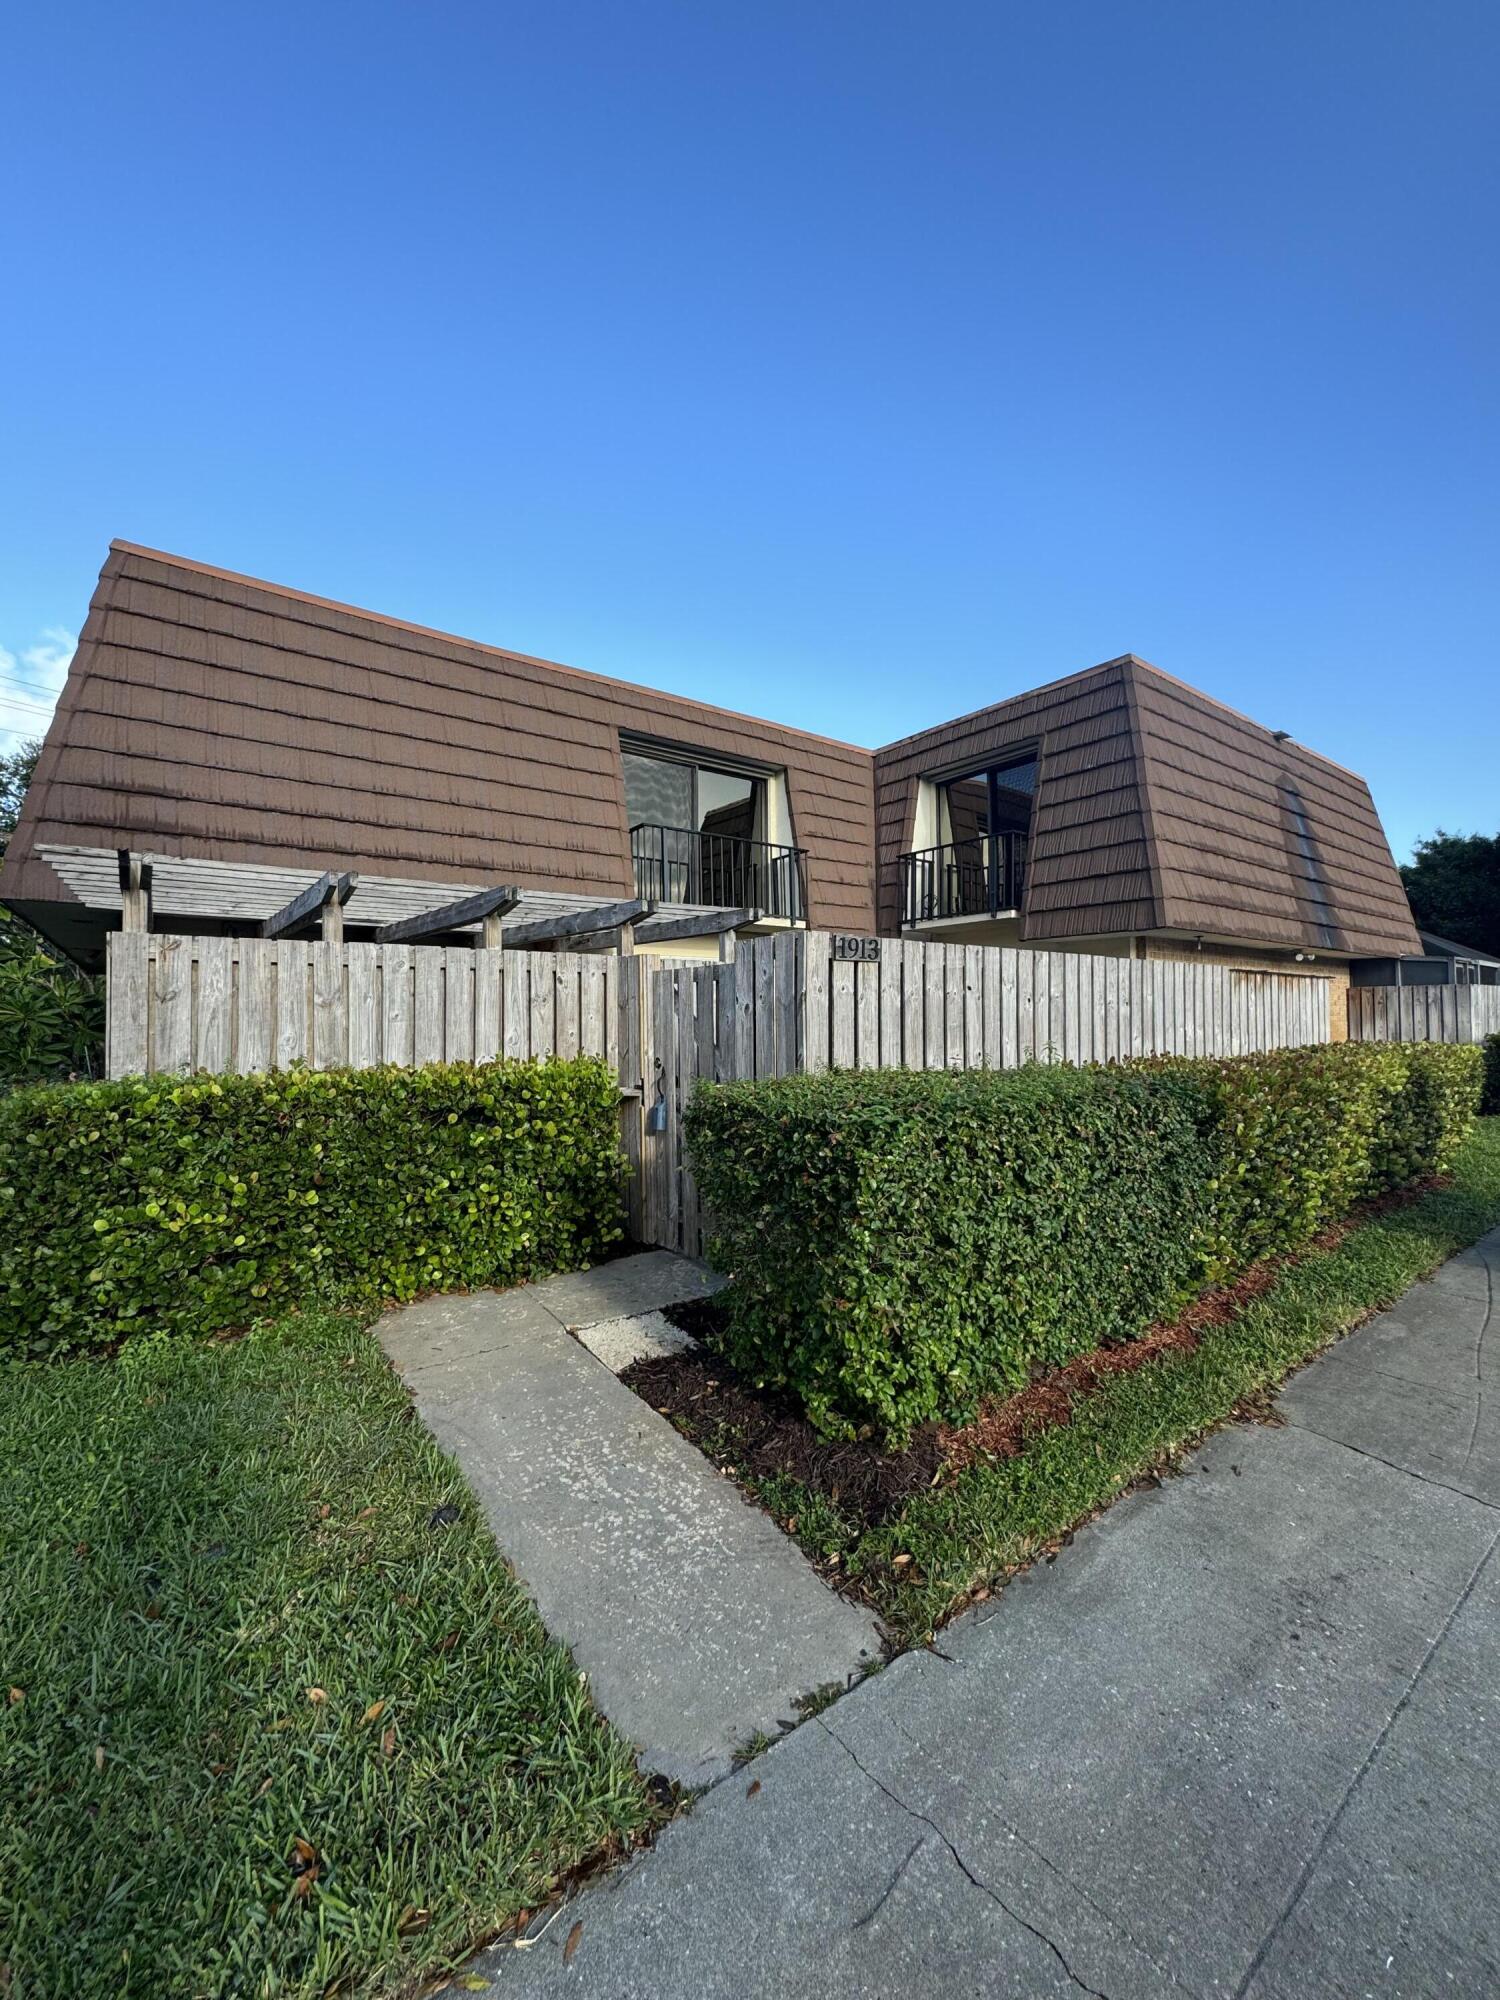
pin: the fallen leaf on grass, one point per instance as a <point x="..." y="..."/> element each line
<point x="374" y="1711"/>
<point x="98" y="1756"/>
<point x="16" y="1697"/>
<point x="265" y="1786"/>
<point x="447" y="1644"/>
<point x="304" y="1865"/>
<point x="388" y="1741"/>
<point x="572" y="1944"/>
<point x="316" y="1695"/>
<point x="899" y="1562"/>
<point x="364" y="1513"/>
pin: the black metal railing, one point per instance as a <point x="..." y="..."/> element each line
<point x="675" y="865"/>
<point x="967" y="878"/>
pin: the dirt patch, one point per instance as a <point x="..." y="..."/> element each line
<point x="765" y="1437"/>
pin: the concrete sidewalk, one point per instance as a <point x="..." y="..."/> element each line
<point x="698" y="1622"/>
<point x="1239" y="1739"/>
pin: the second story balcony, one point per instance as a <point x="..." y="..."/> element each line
<point x="982" y="877"/>
<point x="673" y="864"/>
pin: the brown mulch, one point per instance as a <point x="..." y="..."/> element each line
<point x="767" y="1437"/>
<point x="1005" y="1425"/>
<point x="758" y="1435"/>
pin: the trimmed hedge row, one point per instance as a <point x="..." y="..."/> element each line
<point x="902" y="1244"/>
<point x="158" y="1205"/>
<point x="1490" y="1104"/>
<point x="1295" y="1138"/>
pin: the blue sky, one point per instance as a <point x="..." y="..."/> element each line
<point x="852" y="364"/>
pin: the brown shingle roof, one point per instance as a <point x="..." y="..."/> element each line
<point x="208" y="714"/>
<point x="220" y="716"/>
<point x="1158" y="808"/>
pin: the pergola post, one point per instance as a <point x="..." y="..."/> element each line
<point x="135" y="892"/>
<point x="321" y="902"/>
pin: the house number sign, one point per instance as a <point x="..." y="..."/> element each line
<point x="855" y="947"/>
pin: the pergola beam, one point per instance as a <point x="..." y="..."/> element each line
<point x="488" y="908"/>
<point x="323" y="899"/>
<point x="662" y="926"/>
<point x="574" y="924"/>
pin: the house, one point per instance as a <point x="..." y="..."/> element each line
<point x="1443" y="963"/>
<point x="234" y="739"/>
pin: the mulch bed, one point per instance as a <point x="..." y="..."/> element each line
<point x="758" y="1435"/>
<point x="767" y="1437"/>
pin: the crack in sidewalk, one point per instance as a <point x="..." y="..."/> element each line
<point x="912" y="1812"/>
<point x="1013" y="1832"/>
<point x="1299" y="1888"/>
<point x="1410" y="1472"/>
<point x="1489" y="1313"/>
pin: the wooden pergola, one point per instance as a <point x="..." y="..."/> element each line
<point x="479" y="918"/>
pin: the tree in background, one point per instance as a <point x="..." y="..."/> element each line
<point x="51" y="1014"/>
<point x="1454" y="888"/>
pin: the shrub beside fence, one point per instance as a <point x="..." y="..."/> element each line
<point x="901" y="1245"/>
<point x="1491" y="1103"/>
<point x="189" y="1206"/>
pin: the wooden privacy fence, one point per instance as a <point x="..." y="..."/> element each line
<point x="1423" y="1013"/>
<point x="787" y="1004"/>
<point x="240" y="1004"/>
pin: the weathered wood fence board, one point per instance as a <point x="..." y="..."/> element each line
<point x="1423" y="1013"/>
<point x="950" y="1006"/>
<point x="784" y="1005"/>
<point x="177" y="1004"/>
<point x="787" y="1004"/>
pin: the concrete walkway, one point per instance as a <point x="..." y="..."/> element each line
<point x="696" y="1620"/>
<point x="1240" y="1739"/>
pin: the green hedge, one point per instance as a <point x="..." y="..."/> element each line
<point x="902" y="1244"/>
<point x="191" y="1206"/>
<point x="1295" y="1138"/>
<point x="1491" y="1101"/>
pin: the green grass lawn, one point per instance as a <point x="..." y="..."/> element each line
<point x="229" y="1622"/>
<point x="999" y="1513"/>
